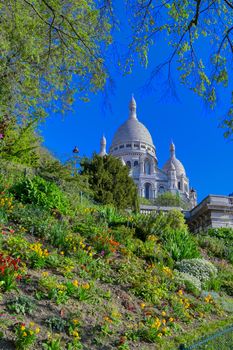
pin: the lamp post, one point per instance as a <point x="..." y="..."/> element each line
<point x="75" y="153"/>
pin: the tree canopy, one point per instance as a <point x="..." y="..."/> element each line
<point x="51" y="49"/>
<point x="199" y="34"/>
<point x="110" y="182"/>
<point x="45" y="44"/>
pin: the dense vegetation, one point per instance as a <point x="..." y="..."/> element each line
<point x="166" y="199"/>
<point x="79" y="275"/>
<point x="110" y="182"/>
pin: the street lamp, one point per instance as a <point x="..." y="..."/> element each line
<point x="75" y="153"/>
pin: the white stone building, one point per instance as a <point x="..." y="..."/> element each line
<point x="133" y="144"/>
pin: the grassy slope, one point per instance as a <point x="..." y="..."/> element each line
<point x="102" y="300"/>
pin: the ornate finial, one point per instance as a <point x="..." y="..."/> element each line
<point x="172" y="149"/>
<point x="133" y="108"/>
<point x="103" y="140"/>
<point x="103" y="143"/>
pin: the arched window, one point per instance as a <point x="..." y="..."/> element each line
<point x="178" y="185"/>
<point x="135" y="163"/>
<point x="161" y="189"/>
<point x="128" y="163"/>
<point x="147" y="167"/>
<point x="148" y="190"/>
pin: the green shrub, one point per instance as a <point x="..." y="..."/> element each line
<point x="189" y="282"/>
<point x="21" y="305"/>
<point x="219" y="247"/>
<point x="40" y="192"/>
<point x="158" y="223"/>
<point x="199" y="268"/>
<point x="226" y="277"/>
<point x="180" y="244"/>
<point x="35" y="220"/>
<point x="222" y="232"/>
<point x="170" y="200"/>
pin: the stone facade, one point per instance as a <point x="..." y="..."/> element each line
<point x="133" y="144"/>
<point x="213" y="212"/>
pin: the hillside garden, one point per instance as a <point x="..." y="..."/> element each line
<point x="75" y="274"/>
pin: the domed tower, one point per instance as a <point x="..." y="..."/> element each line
<point x="133" y="143"/>
<point x="182" y="186"/>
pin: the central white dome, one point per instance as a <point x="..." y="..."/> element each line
<point x="132" y="130"/>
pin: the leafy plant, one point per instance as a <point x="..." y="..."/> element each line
<point x="25" y="335"/>
<point x="40" y="192"/>
<point x="21" y="305"/>
<point x="56" y="324"/>
<point x="200" y="268"/>
<point x="180" y="244"/>
<point x="9" y="272"/>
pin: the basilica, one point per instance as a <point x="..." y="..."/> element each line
<point x="133" y="144"/>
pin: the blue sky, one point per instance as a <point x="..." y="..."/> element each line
<point x="200" y="145"/>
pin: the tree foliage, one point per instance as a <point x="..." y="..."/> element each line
<point x="109" y="179"/>
<point x="51" y="49"/>
<point x="199" y="34"/>
<point x="169" y="199"/>
<point x="45" y="44"/>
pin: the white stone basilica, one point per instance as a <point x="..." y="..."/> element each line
<point x="133" y="144"/>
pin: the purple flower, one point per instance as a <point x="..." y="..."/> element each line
<point x="1" y="136"/>
<point x="102" y="253"/>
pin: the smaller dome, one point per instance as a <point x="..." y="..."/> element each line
<point x="173" y="162"/>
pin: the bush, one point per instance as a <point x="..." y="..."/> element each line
<point x="21" y="305"/>
<point x="40" y="192"/>
<point x="218" y="247"/>
<point x="35" y="220"/>
<point x="222" y="232"/>
<point x="170" y="200"/>
<point x="180" y="244"/>
<point x="189" y="282"/>
<point x="158" y="223"/>
<point x="199" y="268"/>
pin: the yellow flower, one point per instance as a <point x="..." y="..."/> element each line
<point x="171" y="319"/>
<point x="31" y="324"/>
<point x="31" y="332"/>
<point x="142" y="305"/>
<point x="24" y="334"/>
<point x="208" y="299"/>
<point x="86" y="286"/>
<point x="163" y="313"/>
<point x="22" y="328"/>
<point x="75" y="321"/>
<point x="37" y="330"/>
<point x="62" y="253"/>
<point x="75" y="334"/>
<point x="160" y="335"/>
<point x="180" y="292"/>
<point x="75" y="283"/>
<point x="90" y="254"/>
<point x="164" y="321"/>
